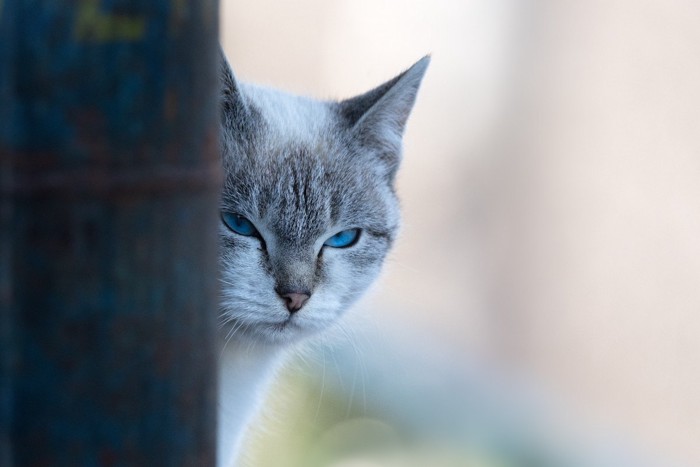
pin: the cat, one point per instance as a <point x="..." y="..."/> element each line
<point x="308" y="214"/>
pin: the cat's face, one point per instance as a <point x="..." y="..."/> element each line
<point x="308" y="207"/>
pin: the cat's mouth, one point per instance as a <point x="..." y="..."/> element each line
<point x="282" y="331"/>
<point x="284" y="326"/>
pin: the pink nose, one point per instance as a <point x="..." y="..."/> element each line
<point x="294" y="300"/>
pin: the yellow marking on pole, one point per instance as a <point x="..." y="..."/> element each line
<point x="92" y="25"/>
<point x="179" y="12"/>
<point x="209" y="13"/>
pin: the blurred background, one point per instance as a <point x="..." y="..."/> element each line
<point x="542" y="306"/>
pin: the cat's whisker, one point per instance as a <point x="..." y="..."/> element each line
<point x="238" y="327"/>
<point x="338" y="370"/>
<point x="359" y="359"/>
<point x="351" y="396"/>
<point x="404" y="266"/>
<point x="225" y="282"/>
<point x="252" y="343"/>
<point x="350" y="340"/>
<point x="323" y="386"/>
<point x="229" y="336"/>
<point x="224" y="319"/>
<point x="302" y="358"/>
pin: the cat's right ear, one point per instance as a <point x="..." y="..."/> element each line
<point x="234" y="107"/>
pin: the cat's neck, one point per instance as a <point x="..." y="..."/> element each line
<point x="245" y="372"/>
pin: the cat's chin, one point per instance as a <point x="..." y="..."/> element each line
<point x="271" y="333"/>
<point x="286" y="332"/>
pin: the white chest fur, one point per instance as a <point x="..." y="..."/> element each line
<point x="245" y="372"/>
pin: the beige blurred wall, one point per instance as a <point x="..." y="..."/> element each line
<point x="604" y="251"/>
<point x="550" y="184"/>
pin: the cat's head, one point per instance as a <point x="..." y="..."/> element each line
<point x="308" y="210"/>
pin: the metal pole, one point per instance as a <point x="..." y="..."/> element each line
<point x="109" y="158"/>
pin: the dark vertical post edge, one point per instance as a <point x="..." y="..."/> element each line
<point x="7" y="111"/>
<point x="108" y="249"/>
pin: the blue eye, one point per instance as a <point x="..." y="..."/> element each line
<point x="238" y="224"/>
<point x="343" y="239"/>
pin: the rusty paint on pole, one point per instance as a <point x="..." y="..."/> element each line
<point x="109" y="183"/>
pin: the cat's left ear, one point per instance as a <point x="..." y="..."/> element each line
<point x="378" y="117"/>
<point x="234" y="107"/>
